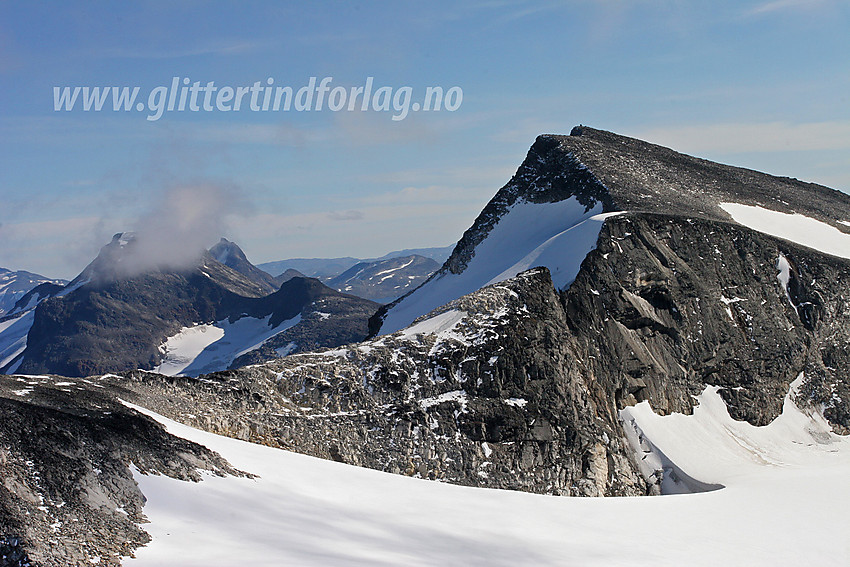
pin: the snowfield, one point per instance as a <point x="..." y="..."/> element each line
<point x="556" y="235"/>
<point x="209" y="347"/>
<point x="796" y="228"/>
<point x="13" y="339"/>
<point x="783" y="502"/>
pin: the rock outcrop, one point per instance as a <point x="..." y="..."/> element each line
<point x="67" y="494"/>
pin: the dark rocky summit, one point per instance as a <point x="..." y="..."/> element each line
<point x="626" y="174"/>
<point x="232" y="256"/>
<point x="328" y="318"/>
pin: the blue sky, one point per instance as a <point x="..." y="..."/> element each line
<point x="760" y="84"/>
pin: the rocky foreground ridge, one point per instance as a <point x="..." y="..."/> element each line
<point x="67" y="495"/>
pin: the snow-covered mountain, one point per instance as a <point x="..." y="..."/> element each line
<point x="385" y="280"/>
<point x="327" y="268"/>
<point x="551" y="212"/>
<point x="15" y="285"/>
<point x="189" y="320"/>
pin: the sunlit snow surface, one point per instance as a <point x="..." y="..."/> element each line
<point x="13" y="339"/>
<point x="556" y="235"/>
<point x="796" y="228"/>
<point x="209" y="347"/>
<point x="784" y="503"/>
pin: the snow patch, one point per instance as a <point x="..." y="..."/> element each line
<point x="441" y="325"/>
<point x="784" y="276"/>
<point x="555" y="235"/>
<point x="286" y="350"/>
<point x="796" y="228"/>
<point x="210" y="347"/>
<point x="487" y="450"/>
<point x="458" y="396"/>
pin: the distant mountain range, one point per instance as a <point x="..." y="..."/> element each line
<point x="328" y="268"/>
<point x="15" y="285"/>
<point x="385" y="280"/>
<point x="222" y="311"/>
<point x="381" y="279"/>
<point x="195" y="319"/>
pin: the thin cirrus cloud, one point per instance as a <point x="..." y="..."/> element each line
<point x="775" y="6"/>
<point x="753" y="137"/>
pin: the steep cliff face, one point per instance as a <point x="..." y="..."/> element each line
<point x="665" y="306"/>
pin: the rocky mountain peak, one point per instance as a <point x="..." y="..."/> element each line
<point x="225" y="251"/>
<point x="231" y="255"/>
<point x="572" y="180"/>
<point x="122" y="239"/>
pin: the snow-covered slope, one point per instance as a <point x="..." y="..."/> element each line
<point x="555" y="235"/>
<point x="13" y="341"/>
<point x="15" y="285"/>
<point x="783" y="503"/>
<point x="794" y="227"/>
<point x="385" y="280"/>
<point x="207" y="348"/>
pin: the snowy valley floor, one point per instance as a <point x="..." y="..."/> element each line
<point x="785" y="502"/>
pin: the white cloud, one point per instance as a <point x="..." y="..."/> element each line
<point x="184" y="221"/>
